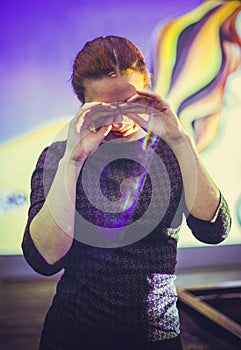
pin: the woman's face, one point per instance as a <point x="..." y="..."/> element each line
<point x="116" y="89"/>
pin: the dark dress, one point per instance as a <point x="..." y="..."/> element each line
<point x="121" y="295"/>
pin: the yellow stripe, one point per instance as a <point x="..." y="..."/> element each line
<point x="204" y="58"/>
<point x="167" y="49"/>
<point x="50" y="129"/>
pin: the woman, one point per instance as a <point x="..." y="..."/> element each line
<point x="117" y="290"/>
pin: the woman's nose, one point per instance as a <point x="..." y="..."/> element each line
<point x="119" y="119"/>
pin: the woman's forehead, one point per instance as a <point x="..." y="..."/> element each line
<point x="114" y="89"/>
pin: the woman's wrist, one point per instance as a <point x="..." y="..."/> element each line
<point x="76" y="163"/>
<point x="69" y="161"/>
<point x="182" y="140"/>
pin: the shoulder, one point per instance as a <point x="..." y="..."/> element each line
<point x="51" y="155"/>
<point x="47" y="165"/>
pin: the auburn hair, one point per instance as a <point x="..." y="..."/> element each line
<point x="108" y="56"/>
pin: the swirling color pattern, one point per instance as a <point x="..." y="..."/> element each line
<point x="192" y="58"/>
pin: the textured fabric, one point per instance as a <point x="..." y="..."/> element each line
<point x="125" y="290"/>
<point x="163" y="319"/>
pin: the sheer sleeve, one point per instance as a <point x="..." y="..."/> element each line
<point x="215" y="230"/>
<point x="41" y="181"/>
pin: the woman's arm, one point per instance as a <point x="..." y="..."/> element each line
<point x="202" y="195"/>
<point x="208" y="214"/>
<point x="52" y="228"/>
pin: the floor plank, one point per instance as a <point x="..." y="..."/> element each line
<point x="24" y="304"/>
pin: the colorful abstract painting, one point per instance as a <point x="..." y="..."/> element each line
<point x="193" y="49"/>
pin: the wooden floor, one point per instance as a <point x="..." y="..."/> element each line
<point x="24" y="303"/>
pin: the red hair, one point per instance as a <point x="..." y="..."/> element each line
<point x="106" y="57"/>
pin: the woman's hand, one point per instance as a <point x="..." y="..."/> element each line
<point x="159" y="117"/>
<point x="88" y="129"/>
<point x="201" y="193"/>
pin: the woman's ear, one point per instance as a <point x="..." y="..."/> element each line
<point x="149" y="82"/>
<point x="148" y="87"/>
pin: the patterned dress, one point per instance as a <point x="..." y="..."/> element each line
<point x="118" y="279"/>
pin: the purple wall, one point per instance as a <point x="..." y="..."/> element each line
<point x="39" y="40"/>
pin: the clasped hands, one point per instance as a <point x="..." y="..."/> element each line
<point x="94" y="122"/>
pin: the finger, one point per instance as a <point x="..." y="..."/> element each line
<point x="109" y="127"/>
<point x="152" y="96"/>
<point x="143" y="93"/>
<point x="132" y="98"/>
<point x="102" y="105"/>
<point x="79" y="118"/>
<point x="151" y="124"/>
<point x="138" y="108"/>
<point x="159" y="100"/>
<point x="103" y="132"/>
<point x="136" y="100"/>
<point x="104" y="121"/>
<point x="143" y="123"/>
<point x="97" y="113"/>
<point x="148" y="93"/>
<point x="102" y="118"/>
<point x="93" y="106"/>
<point x="94" y="123"/>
